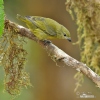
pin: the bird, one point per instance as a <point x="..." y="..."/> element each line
<point x="45" y="28"/>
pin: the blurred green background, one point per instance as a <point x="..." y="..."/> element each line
<point x="50" y="81"/>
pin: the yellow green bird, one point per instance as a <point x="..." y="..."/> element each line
<point x="45" y="28"/>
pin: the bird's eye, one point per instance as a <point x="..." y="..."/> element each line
<point x="64" y="34"/>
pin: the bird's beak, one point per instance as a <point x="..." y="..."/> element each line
<point x="69" y="39"/>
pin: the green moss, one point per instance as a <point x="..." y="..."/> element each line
<point x="87" y="14"/>
<point x="13" y="59"/>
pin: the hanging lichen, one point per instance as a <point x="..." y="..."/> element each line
<point x="13" y="58"/>
<point x="87" y="15"/>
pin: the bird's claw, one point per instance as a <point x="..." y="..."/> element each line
<point x="46" y="42"/>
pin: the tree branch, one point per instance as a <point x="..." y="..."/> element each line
<point x="56" y="53"/>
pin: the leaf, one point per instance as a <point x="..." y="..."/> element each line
<point x="1" y="17"/>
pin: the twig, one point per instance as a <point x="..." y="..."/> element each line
<point x="56" y="53"/>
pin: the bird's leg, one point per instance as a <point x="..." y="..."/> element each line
<point x="46" y="42"/>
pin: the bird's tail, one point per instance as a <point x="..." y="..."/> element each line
<point x="22" y="18"/>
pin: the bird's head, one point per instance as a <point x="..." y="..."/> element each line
<point x="64" y="34"/>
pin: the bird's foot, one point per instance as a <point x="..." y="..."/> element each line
<point x="46" y="42"/>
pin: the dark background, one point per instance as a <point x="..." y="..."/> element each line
<point x="50" y="81"/>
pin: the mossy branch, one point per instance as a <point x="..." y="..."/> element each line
<point x="55" y="53"/>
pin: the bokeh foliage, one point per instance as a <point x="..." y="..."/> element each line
<point x="1" y="17"/>
<point x="87" y="15"/>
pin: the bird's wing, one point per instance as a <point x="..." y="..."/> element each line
<point x="45" y="24"/>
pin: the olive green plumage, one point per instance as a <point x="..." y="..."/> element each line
<point x="45" y="28"/>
